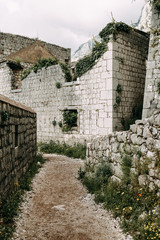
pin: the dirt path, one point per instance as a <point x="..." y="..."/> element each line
<point x="59" y="207"/>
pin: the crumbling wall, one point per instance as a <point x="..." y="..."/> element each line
<point x="18" y="142"/>
<point x="93" y="95"/>
<point x="10" y="43"/>
<point x="141" y="143"/>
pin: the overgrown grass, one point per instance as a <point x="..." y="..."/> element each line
<point x="76" y="151"/>
<point x="9" y="207"/>
<point x="137" y="207"/>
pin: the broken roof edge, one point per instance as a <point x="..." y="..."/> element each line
<point x="15" y="104"/>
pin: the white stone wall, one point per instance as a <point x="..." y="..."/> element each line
<point x="152" y="97"/>
<point x="129" y="70"/>
<point x="90" y="95"/>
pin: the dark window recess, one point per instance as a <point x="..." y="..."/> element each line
<point x="16" y="135"/>
<point x="70" y="118"/>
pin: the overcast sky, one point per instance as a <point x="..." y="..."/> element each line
<point x="67" y="23"/>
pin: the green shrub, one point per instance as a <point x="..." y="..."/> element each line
<point x="76" y="151"/>
<point x="67" y="72"/>
<point x="54" y="123"/>
<point x="69" y="119"/>
<point x="126" y="201"/>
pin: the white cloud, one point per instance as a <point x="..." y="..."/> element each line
<point x="64" y="22"/>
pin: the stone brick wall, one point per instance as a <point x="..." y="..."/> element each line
<point x="92" y="95"/>
<point x="152" y="95"/>
<point x="129" y="71"/>
<point x="10" y="43"/>
<point x="18" y="142"/>
<point x="141" y="143"/>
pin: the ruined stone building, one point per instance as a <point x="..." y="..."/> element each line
<point x="100" y="99"/>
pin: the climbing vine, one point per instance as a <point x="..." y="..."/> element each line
<point x="86" y="63"/>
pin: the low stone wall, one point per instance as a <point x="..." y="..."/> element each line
<point x="17" y="142"/>
<point x="141" y="143"/>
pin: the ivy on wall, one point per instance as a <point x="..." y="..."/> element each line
<point x="86" y="63"/>
<point x="46" y="62"/>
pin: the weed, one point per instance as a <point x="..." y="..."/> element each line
<point x="126" y="201"/>
<point x="76" y="151"/>
<point x="58" y="85"/>
<point x="54" y="123"/>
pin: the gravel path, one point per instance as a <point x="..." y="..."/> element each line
<point x="59" y="207"/>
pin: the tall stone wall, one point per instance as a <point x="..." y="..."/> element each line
<point x="141" y="143"/>
<point x="152" y="91"/>
<point x="129" y="71"/>
<point x="10" y="43"/>
<point x="18" y="141"/>
<point x="92" y="95"/>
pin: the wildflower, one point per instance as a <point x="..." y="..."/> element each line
<point x="130" y="208"/>
<point x="117" y="208"/>
<point x="122" y="193"/>
<point x="139" y="194"/>
<point x="137" y="199"/>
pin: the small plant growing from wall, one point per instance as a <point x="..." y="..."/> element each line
<point x="5" y="115"/>
<point x="60" y="124"/>
<point x="118" y="98"/>
<point x="119" y="88"/>
<point x="54" y="123"/>
<point x="58" y="85"/>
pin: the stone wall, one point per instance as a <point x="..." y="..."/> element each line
<point x="10" y="43"/>
<point x="92" y="95"/>
<point x="152" y="94"/>
<point x="129" y="71"/>
<point x="141" y="143"/>
<point x="18" y="142"/>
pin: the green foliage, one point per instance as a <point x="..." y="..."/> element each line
<point x="114" y="28"/>
<point x="119" y="88"/>
<point x="69" y="119"/>
<point x="86" y="63"/>
<point x="5" y="115"/>
<point x="42" y="62"/>
<point x="118" y="100"/>
<point x="66" y="71"/>
<point x="25" y="73"/>
<point x="60" y="124"/>
<point x="76" y="151"/>
<point x="9" y="207"/>
<point x="126" y="201"/>
<point x="58" y="85"/>
<point x="54" y="123"/>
